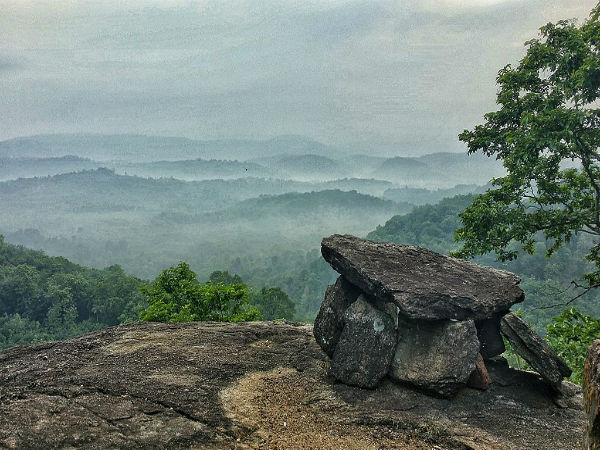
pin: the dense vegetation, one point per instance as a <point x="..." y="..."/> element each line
<point x="43" y="297"/>
<point x="47" y="298"/>
<point x="176" y="295"/>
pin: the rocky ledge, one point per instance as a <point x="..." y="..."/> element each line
<point x="252" y="385"/>
<point x="424" y="319"/>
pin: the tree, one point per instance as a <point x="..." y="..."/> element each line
<point x="273" y="303"/>
<point x="225" y="278"/>
<point x="570" y="334"/>
<point x="547" y="134"/>
<point x="176" y="295"/>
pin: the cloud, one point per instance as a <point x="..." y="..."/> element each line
<point x="384" y="75"/>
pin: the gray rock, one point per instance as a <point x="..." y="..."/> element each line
<point x="330" y="320"/>
<point x="435" y="356"/>
<point x="526" y="343"/>
<point x="490" y="339"/>
<point x="591" y="395"/>
<point x="423" y="284"/>
<point x="365" y="347"/>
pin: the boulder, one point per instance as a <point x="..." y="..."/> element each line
<point x="533" y="349"/>
<point x="366" y="345"/>
<point x="423" y="284"/>
<point x="591" y="395"/>
<point x="330" y="320"/>
<point x="490" y="339"/>
<point x="479" y="379"/>
<point x="435" y="356"/>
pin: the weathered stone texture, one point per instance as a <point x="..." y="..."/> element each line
<point x="365" y="348"/>
<point x="424" y="285"/>
<point x="330" y="320"/>
<point x="534" y="350"/>
<point x="436" y="356"/>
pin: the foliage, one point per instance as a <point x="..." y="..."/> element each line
<point x="570" y="334"/>
<point x="273" y="303"/>
<point x="176" y="295"/>
<point x="547" y="133"/>
<point x="44" y="298"/>
<point x="430" y="226"/>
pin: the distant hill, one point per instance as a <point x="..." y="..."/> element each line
<point x="428" y="225"/>
<point x="13" y="168"/>
<point x="421" y="196"/>
<point x="139" y="148"/>
<point x="368" y="186"/>
<point x="195" y="169"/>
<point x="402" y="170"/>
<point x="286" y="157"/>
<point x="439" y="170"/>
<point x="321" y="206"/>
<point x="103" y="189"/>
<point x="304" y="167"/>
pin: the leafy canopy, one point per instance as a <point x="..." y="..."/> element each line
<point x="570" y="334"/>
<point x="547" y="133"/>
<point x="176" y="295"/>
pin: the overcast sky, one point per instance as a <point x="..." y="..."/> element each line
<point x="402" y="76"/>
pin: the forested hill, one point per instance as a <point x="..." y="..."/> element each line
<point x="545" y="281"/>
<point x="46" y="298"/>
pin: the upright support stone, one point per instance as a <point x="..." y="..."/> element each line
<point x="365" y="347"/>
<point x="591" y="395"/>
<point x="330" y="320"/>
<point x="533" y="349"/>
<point x="435" y="356"/>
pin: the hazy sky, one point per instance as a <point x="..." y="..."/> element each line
<point x="405" y="76"/>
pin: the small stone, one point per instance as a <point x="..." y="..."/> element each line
<point x="533" y="349"/>
<point x="330" y="320"/>
<point x="435" y="356"/>
<point x="479" y="379"/>
<point x="365" y="347"/>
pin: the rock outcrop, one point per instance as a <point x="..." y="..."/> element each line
<point x="435" y="356"/>
<point x="423" y="284"/>
<point x="330" y="319"/>
<point x="366" y="346"/>
<point x="526" y="343"/>
<point x="449" y="315"/>
<point x="591" y="395"/>
<point x="250" y="385"/>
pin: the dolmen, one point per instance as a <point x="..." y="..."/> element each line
<point x="421" y="318"/>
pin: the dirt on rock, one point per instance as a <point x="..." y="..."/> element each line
<point x="251" y="385"/>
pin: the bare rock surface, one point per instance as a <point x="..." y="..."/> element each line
<point x="330" y="319"/>
<point x="435" y="356"/>
<point x="534" y="350"/>
<point x="423" y="284"/>
<point x="363" y="354"/>
<point x="591" y="392"/>
<point x="250" y="385"/>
